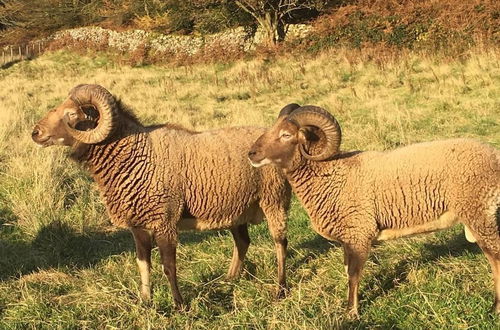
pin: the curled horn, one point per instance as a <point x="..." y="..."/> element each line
<point x="323" y="120"/>
<point x="105" y="104"/>
<point x="288" y="109"/>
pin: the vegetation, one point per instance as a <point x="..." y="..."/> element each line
<point x="447" y="26"/>
<point x="273" y="15"/>
<point x="27" y="19"/>
<point x="451" y="27"/>
<point x="63" y="266"/>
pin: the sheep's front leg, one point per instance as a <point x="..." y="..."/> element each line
<point x="280" y="245"/>
<point x="143" y="247"/>
<point x="277" y="227"/>
<point x="241" y="243"/>
<point x="355" y="256"/>
<point x="167" y="246"/>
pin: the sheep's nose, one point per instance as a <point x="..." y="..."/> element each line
<point x="251" y="153"/>
<point x="36" y="132"/>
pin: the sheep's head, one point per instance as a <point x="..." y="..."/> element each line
<point x="86" y="116"/>
<point x="308" y="131"/>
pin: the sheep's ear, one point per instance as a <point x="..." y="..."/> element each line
<point x="307" y="134"/>
<point x="79" y="119"/>
<point x="71" y="114"/>
<point x="90" y="111"/>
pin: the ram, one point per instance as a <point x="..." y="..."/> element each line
<point x="356" y="198"/>
<point x="156" y="180"/>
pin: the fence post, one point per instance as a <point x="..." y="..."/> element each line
<point x="11" y="53"/>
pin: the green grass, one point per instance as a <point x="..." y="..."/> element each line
<point x="63" y="266"/>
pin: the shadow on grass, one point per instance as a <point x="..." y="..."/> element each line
<point x="454" y="246"/>
<point x="215" y="289"/>
<point x="388" y="279"/>
<point x="195" y="237"/>
<point x="57" y="245"/>
<point x="309" y="250"/>
<point x="9" y="64"/>
<point x="318" y="244"/>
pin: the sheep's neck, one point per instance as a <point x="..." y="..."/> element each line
<point x="318" y="186"/>
<point x="122" y="156"/>
<point x="121" y="169"/>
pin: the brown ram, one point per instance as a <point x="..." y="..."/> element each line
<point x="356" y="198"/>
<point x="157" y="180"/>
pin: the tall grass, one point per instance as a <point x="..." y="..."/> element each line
<point x="62" y="266"/>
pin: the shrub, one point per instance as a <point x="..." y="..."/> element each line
<point x="449" y="26"/>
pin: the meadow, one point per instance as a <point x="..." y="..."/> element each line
<point x="63" y="266"/>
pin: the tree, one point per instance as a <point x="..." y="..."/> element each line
<point x="273" y="15"/>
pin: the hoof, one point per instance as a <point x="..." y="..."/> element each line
<point x="233" y="273"/>
<point x="232" y="277"/>
<point x="145" y="295"/>
<point x="181" y="308"/>
<point x="352" y="314"/>
<point x="179" y="304"/>
<point x="282" y="292"/>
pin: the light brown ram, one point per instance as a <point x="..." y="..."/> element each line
<point x="356" y="198"/>
<point x="157" y="180"/>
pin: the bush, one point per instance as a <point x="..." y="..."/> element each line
<point x="449" y="26"/>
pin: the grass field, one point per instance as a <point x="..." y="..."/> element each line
<point x="63" y="266"/>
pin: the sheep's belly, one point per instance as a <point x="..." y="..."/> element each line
<point x="446" y="220"/>
<point x="206" y="224"/>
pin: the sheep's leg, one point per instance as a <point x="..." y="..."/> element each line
<point x="241" y="243"/>
<point x="167" y="247"/>
<point x="356" y="258"/>
<point x="277" y="226"/>
<point x="346" y="262"/>
<point x="280" y="246"/>
<point x="143" y="247"/>
<point x="488" y="239"/>
<point x="495" y="270"/>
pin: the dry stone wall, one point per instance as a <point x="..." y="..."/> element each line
<point x="129" y="41"/>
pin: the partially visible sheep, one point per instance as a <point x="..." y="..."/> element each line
<point x="157" y="180"/>
<point x="359" y="197"/>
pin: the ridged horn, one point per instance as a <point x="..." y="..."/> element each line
<point x="288" y="109"/>
<point x="318" y="117"/>
<point x="105" y="104"/>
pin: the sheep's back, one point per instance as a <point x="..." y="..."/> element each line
<point x="418" y="183"/>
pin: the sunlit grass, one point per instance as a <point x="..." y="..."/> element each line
<point x="62" y="266"/>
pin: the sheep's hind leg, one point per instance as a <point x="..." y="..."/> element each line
<point x="494" y="260"/>
<point x="143" y="247"/>
<point x="167" y="247"/>
<point x="241" y="243"/>
<point x="355" y="257"/>
<point x="495" y="269"/>
<point x="485" y="231"/>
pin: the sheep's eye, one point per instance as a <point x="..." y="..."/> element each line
<point x="286" y="136"/>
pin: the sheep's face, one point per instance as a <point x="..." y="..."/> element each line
<point x="51" y="129"/>
<point x="278" y="146"/>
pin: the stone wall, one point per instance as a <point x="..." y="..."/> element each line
<point x="129" y="41"/>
